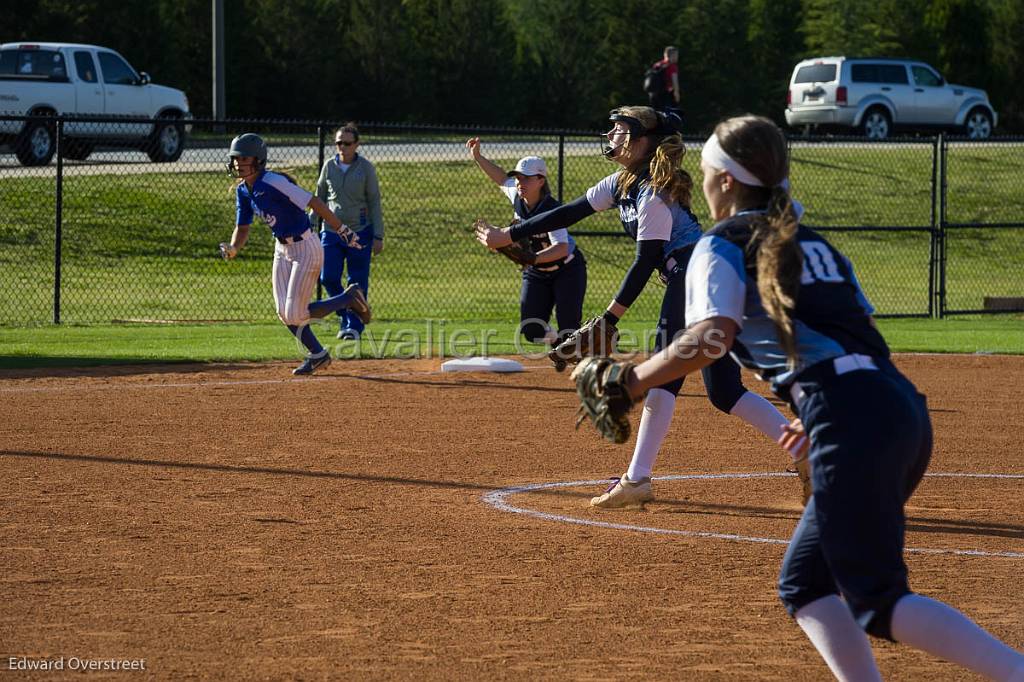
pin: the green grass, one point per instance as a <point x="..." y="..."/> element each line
<point x="77" y="346"/>
<point x="143" y="247"/>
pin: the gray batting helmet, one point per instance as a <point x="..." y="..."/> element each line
<point x="247" y="144"/>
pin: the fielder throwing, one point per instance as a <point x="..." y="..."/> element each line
<point x="651" y="192"/>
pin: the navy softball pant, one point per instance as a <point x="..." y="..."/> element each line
<point x="562" y="290"/>
<point x="871" y="439"/>
<point x="338" y="254"/>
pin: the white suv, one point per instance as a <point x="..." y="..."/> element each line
<point x="875" y="96"/>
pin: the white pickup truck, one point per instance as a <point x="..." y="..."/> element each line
<point x="48" y="79"/>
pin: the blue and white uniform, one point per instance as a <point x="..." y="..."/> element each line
<point x="558" y="285"/>
<point x="298" y="255"/>
<point x="871" y="436"/>
<point x="646" y="216"/>
<point x="665" y="234"/>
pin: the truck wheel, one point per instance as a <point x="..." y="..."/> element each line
<point x="36" y="144"/>
<point x="77" y="150"/>
<point x="167" y="141"/>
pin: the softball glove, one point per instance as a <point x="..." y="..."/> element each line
<point x="520" y="252"/>
<point x="597" y="337"/>
<point x="604" y="398"/>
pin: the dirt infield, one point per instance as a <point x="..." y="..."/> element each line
<point x="234" y="522"/>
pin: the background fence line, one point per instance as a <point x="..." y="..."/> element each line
<point x="934" y="225"/>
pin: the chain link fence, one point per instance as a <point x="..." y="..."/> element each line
<point x="105" y="233"/>
<point x="981" y="241"/>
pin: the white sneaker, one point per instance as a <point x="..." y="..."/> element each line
<point x="624" y="493"/>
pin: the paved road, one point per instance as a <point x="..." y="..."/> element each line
<point x="126" y="161"/>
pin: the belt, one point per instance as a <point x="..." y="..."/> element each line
<point x="552" y="268"/>
<point x="675" y="259"/>
<point x="834" y="367"/>
<point x="292" y="240"/>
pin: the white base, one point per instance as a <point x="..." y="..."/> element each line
<point x="480" y="364"/>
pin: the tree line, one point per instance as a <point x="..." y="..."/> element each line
<point x="528" y="63"/>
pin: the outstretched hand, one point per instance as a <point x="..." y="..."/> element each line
<point x="227" y="252"/>
<point x="490" y="236"/>
<point x="473" y="145"/>
<point x="794" y="440"/>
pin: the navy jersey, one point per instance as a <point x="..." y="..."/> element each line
<point x="545" y="239"/>
<point x="831" y="318"/>
<point x="279" y="202"/>
<point x="645" y="214"/>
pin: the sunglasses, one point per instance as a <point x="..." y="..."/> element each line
<point x="342" y="143"/>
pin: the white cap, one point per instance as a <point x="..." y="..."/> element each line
<point x="530" y="165"/>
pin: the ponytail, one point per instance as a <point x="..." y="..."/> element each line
<point x="666" y="172"/>
<point x="779" y="264"/>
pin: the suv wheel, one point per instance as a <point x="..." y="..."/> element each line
<point x="978" y="125"/>
<point x="36" y="144"/>
<point x="876" y="124"/>
<point x="167" y="142"/>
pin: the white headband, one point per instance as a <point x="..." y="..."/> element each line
<point x="714" y="156"/>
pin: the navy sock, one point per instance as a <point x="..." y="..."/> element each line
<point x="323" y="308"/>
<point x="307" y="337"/>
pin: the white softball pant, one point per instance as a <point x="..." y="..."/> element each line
<point x="296" y="269"/>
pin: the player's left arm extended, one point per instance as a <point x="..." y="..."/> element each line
<point x="694" y="349"/>
<point x="555" y="219"/>
<point x="320" y="208"/>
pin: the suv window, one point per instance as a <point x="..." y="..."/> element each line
<point x="85" y="66"/>
<point x="925" y="76"/>
<point x="41" y="64"/>
<point x="818" y="73"/>
<point x="879" y="73"/>
<point x="8" y="63"/>
<point x="116" y="70"/>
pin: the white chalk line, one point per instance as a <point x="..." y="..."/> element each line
<point x="263" y="382"/>
<point x="497" y="499"/>
<point x="226" y="382"/>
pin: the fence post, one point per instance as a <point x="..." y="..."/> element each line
<point x="933" y="245"/>
<point x="320" y="159"/>
<point x="941" y="233"/>
<point x="561" y="163"/>
<point x="58" y="219"/>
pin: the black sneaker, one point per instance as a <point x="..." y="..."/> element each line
<point x="313" y="363"/>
